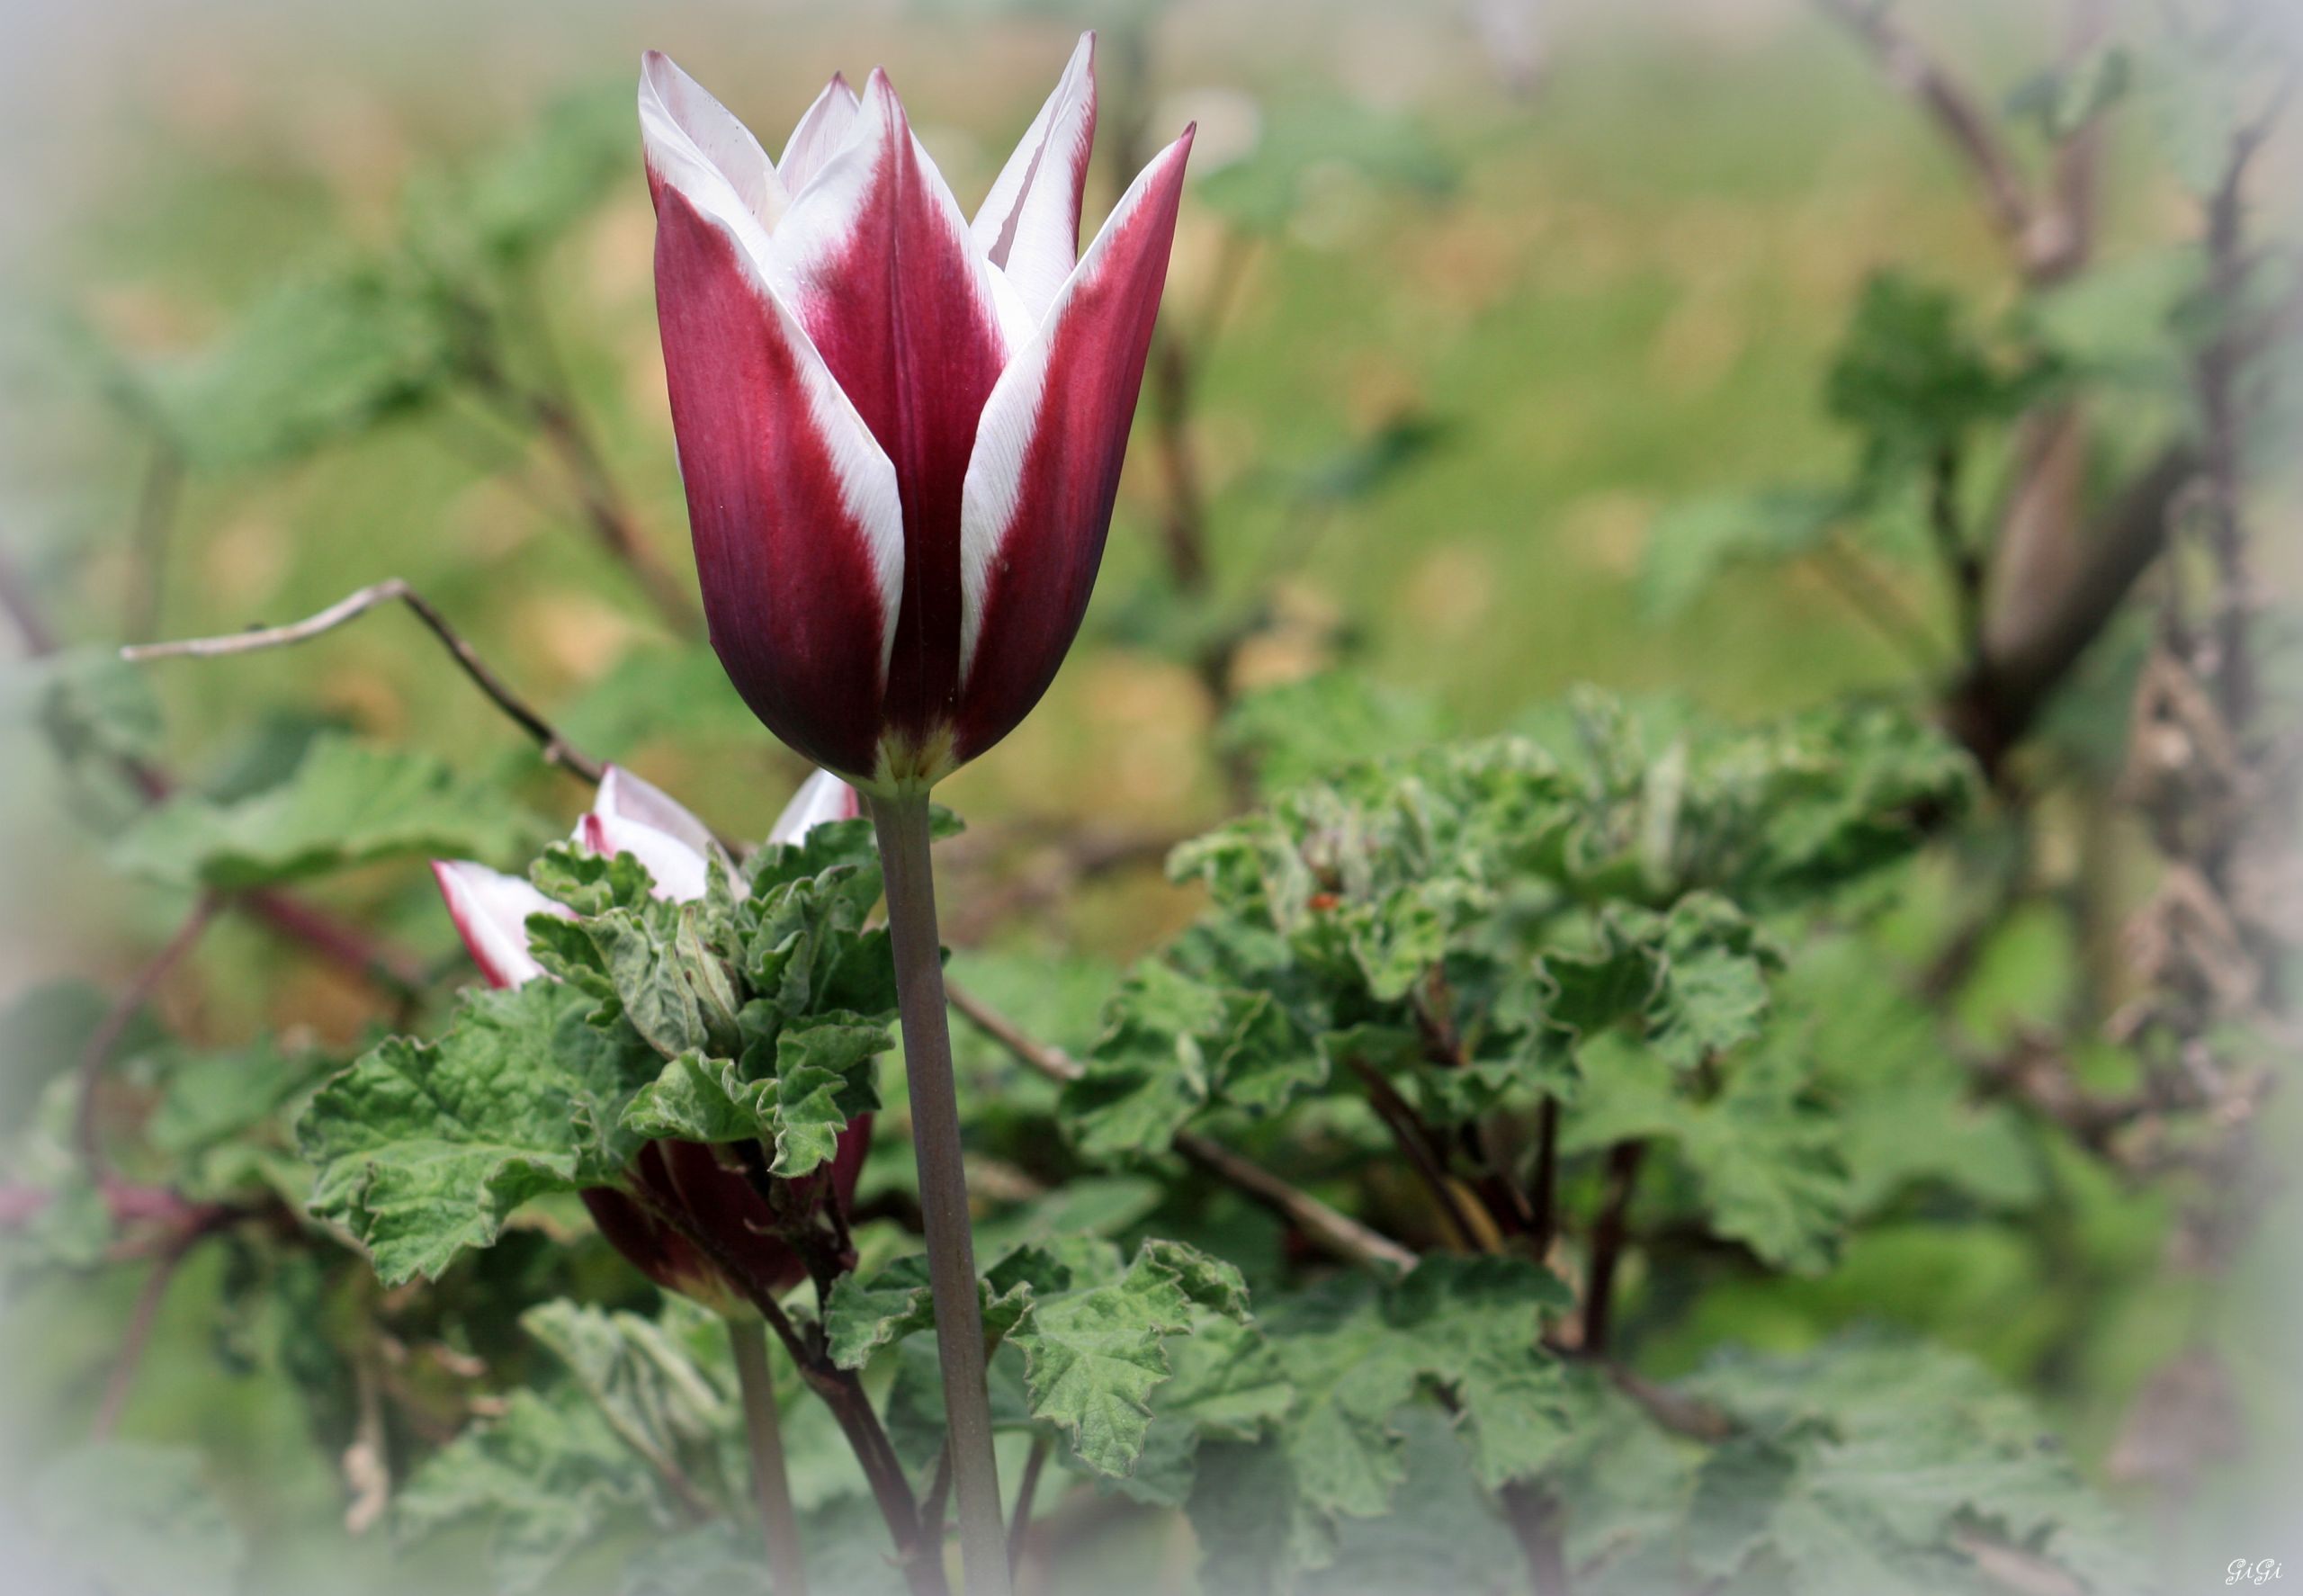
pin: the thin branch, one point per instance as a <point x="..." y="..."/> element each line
<point x="1341" y="1235"/>
<point x="1545" y="1224"/>
<point x="556" y="749"/>
<point x="1963" y="567"/>
<point x="156" y="517"/>
<point x="841" y="1391"/>
<point x="1993" y="707"/>
<point x="105" y="1037"/>
<point x="397" y="974"/>
<point x="1607" y="1238"/>
<point x="1019" y="1524"/>
<point x="141" y="1320"/>
<point x="764" y="1436"/>
<point x="1869" y="594"/>
<point x="553" y="414"/>
<point x="1955" y="108"/>
<point x="1416" y="1141"/>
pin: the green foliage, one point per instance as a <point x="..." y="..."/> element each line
<point x="349" y="341"/>
<point x="1458" y="920"/>
<point x="1885" y="1465"/>
<point x="1692" y="543"/>
<point x="1094" y="1330"/>
<point x="347" y="804"/>
<point x="324" y="356"/>
<point x="423" y="1149"/>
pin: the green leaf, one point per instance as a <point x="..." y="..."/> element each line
<point x="1692" y="543"/>
<point x="131" y="1519"/>
<point x="1914" y="381"/>
<point x="1092" y="1356"/>
<point x="347" y="804"/>
<point x="423" y="1149"/>
<point x="1763" y="1151"/>
<point x="1468" y="1328"/>
<point x="657" y="1381"/>
<point x="865" y="1316"/>
<point x="332" y="351"/>
<point x="548" y="1475"/>
<point x="1883" y="1460"/>
<point x="1170" y="1042"/>
<point x="824" y="1075"/>
<point x="1475" y="1324"/>
<point x="1302" y="731"/>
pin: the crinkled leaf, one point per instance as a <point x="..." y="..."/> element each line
<point x="423" y="1149"/>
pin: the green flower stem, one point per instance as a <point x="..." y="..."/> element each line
<point x="764" y="1432"/>
<point x="902" y="823"/>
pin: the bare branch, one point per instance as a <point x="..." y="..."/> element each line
<point x="1341" y="1235"/>
<point x="1957" y="111"/>
<point x="114" y="1025"/>
<point x="2012" y="680"/>
<point x="1019" y="1525"/>
<point x="556" y="749"/>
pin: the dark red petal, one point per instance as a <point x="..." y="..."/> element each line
<point x="882" y="275"/>
<point x="797" y="541"/>
<point x="1047" y="461"/>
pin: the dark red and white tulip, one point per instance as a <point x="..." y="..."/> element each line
<point x="687" y="1179"/>
<point x="901" y="429"/>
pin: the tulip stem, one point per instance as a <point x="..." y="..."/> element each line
<point x="764" y="1432"/>
<point x="902" y="823"/>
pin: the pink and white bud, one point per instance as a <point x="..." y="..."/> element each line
<point x="901" y="430"/>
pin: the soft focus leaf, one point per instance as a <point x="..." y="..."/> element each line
<point x="130" y="1519"/>
<point x="324" y="356"/>
<point x="348" y="804"/>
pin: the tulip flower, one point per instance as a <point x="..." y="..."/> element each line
<point x="491" y="912"/>
<point x="900" y="432"/>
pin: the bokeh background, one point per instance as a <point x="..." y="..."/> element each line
<point x="1471" y="297"/>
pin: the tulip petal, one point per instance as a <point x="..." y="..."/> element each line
<point x="1047" y="461"/>
<point x="823" y="797"/>
<point x="1029" y="225"/>
<point x="698" y="146"/>
<point x="882" y="275"/>
<point x="826" y="126"/>
<point x="491" y="912"/>
<point x="625" y="795"/>
<point x="793" y="507"/>
<point x="679" y="872"/>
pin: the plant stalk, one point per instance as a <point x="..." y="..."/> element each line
<point x="764" y="1433"/>
<point x="902" y="824"/>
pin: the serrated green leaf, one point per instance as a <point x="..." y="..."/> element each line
<point x="865" y="1316"/>
<point x="423" y="1149"/>
<point x="1093" y="1357"/>
<point x="1764" y="1153"/>
<point x="348" y="804"/>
